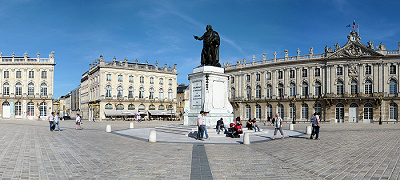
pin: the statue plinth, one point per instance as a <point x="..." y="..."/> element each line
<point x="208" y="91"/>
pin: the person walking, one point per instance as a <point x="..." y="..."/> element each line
<point x="278" y="126"/>
<point x="139" y="118"/>
<point x="78" y="122"/>
<point x="57" y="120"/>
<point x="51" y="121"/>
<point x="315" y="125"/>
<point x="201" y="123"/>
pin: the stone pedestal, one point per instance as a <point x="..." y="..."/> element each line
<point x="208" y="91"/>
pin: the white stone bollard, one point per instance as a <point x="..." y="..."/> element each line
<point x="131" y="125"/>
<point x="153" y="136"/>
<point x="291" y="127"/>
<point x="108" y="128"/>
<point x="246" y="138"/>
<point x="308" y="129"/>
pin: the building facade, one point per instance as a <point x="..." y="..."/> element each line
<point x="353" y="83"/>
<point x="181" y="99"/>
<point x="119" y="88"/>
<point x="26" y="86"/>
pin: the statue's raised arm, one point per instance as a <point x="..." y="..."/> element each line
<point x="210" y="52"/>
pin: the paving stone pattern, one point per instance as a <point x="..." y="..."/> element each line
<point x="28" y="150"/>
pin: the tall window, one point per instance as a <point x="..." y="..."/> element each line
<point x="44" y="74"/>
<point x="108" y="77"/>
<point x="169" y="94"/>
<point x="339" y="87"/>
<point x="169" y="81"/>
<point x="292" y="89"/>
<point x="6" y="74"/>
<point x="317" y="72"/>
<point x="151" y="93"/>
<point x="393" y="111"/>
<point x="248" y="78"/>
<point x="160" y="93"/>
<point x="232" y="79"/>
<point x="43" y="89"/>
<point x="304" y="111"/>
<point x="248" y="92"/>
<point x="269" y="76"/>
<point x="318" y="88"/>
<point x="258" y="111"/>
<point x="392" y="86"/>
<point x="31" y="89"/>
<point x="18" y="109"/>
<point x="108" y="91"/>
<point x="281" y="110"/>
<point x="269" y="91"/>
<point x="269" y="110"/>
<point x="304" y="89"/>
<point x="131" y="79"/>
<point x="130" y="92"/>
<point x="31" y="74"/>
<point x="161" y="81"/>
<point x="258" y="77"/>
<point x="317" y="108"/>
<point x="233" y="93"/>
<point x="141" y="79"/>
<point x="43" y="109"/>
<point x="339" y="71"/>
<point x="354" y="87"/>
<point x="6" y="89"/>
<point x="339" y="112"/>
<point x="120" y="91"/>
<point x="368" y="111"/>
<point x="368" y="69"/>
<point x="31" y="109"/>
<point x="280" y="74"/>
<point x="392" y="69"/>
<point x="258" y="91"/>
<point x="280" y="90"/>
<point x="291" y="110"/>
<point x="248" y="112"/>
<point x="120" y="78"/>
<point x="292" y="74"/>
<point x="141" y="92"/>
<point x="18" y="89"/>
<point x="368" y="87"/>
<point x="18" y="74"/>
<point x="304" y="72"/>
<point x="151" y="80"/>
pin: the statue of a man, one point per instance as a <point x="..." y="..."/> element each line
<point x="210" y="52"/>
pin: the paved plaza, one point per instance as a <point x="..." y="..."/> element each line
<point x="28" y="150"/>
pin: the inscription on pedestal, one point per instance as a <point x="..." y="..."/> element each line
<point x="196" y="91"/>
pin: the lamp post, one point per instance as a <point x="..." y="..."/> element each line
<point x="380" y="110"/>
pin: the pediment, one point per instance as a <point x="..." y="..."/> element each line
<point x="354" y="49"/>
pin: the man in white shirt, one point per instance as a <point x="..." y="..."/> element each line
<point x="51" y="121"/>
<point x="57" y="120"/>
<point x="201" y="123"/>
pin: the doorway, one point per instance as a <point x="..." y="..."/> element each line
<point x="353" y="113"/>
<point x="6" y="110"/>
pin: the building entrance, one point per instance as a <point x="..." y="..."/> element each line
<point x="353" y="113"/>
<point x="6" y="110"/>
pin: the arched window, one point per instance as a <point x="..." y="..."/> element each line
<point x="18" y="89"/>
<point x="31" y="109"/>
<point x="368" y="87"/>
<point x="317" y="108"/>
<point x="120" y="91"/>
<point x="161" y="107"/>
<point x="131" y="107"/>
<point x="304" y="89"/>
<point x="393" y="111"/>
<point x="248" y="92"/>
<point x="233" y="93"/>
<point x="18" y="109"/>
<point x="170" y="108"/>
<point x="108" y="91"/>
<point x="368" y="111"/>
<point x="280" y="90"/>
<point x="339" y="87"/>
<point x="120" y="107"/>
<point x="304" y="111"/>
<point x="43" y="89"/>
<point x="6" y="89"/>
<point x="258" y="91"/>
<point x="292" y="89"/>
<point x="161" y="94"/>
<point x="269" y="110"/>
<point x="258" y="111"/>
<point x="354" y="87"/>
<point x="43" y="109"/>
<point x="141" y="92"/>
<point x="31" y="89"/>
<point x="281" y="110"/>
<point x="392" y="86"/>
<point x="142" y="107"/>
<point x="292" y="109"/>
<point x="152" y="107"/>
<point x="131" y="92"/>
<point x="318" y="88"/>
<point x="268" y="93"/>
<point x="108" y="106"/>
<point x="151" y="93"/>
<point x="339" y="112"/>
<point x="248" y="111"/>
<point x="169" y="94"/>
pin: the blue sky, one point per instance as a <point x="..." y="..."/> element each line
<point x="80" y="31"/>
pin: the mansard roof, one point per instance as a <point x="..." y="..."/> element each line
<point x="354" y="48"/>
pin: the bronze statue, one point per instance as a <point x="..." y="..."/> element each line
<point x="210" y="52"/>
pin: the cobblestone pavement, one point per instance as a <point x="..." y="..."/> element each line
<point x="28" y="150"/>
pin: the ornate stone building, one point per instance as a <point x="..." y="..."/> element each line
<point x="121" y="88"/>
<point x="26" y="86"/>
<point x="353" y="83"/>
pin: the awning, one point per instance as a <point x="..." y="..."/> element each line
<point x="162" y="113"/>
<point x="110" y="112"/>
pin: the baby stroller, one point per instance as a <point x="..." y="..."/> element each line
<point x="234" y="131"/>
